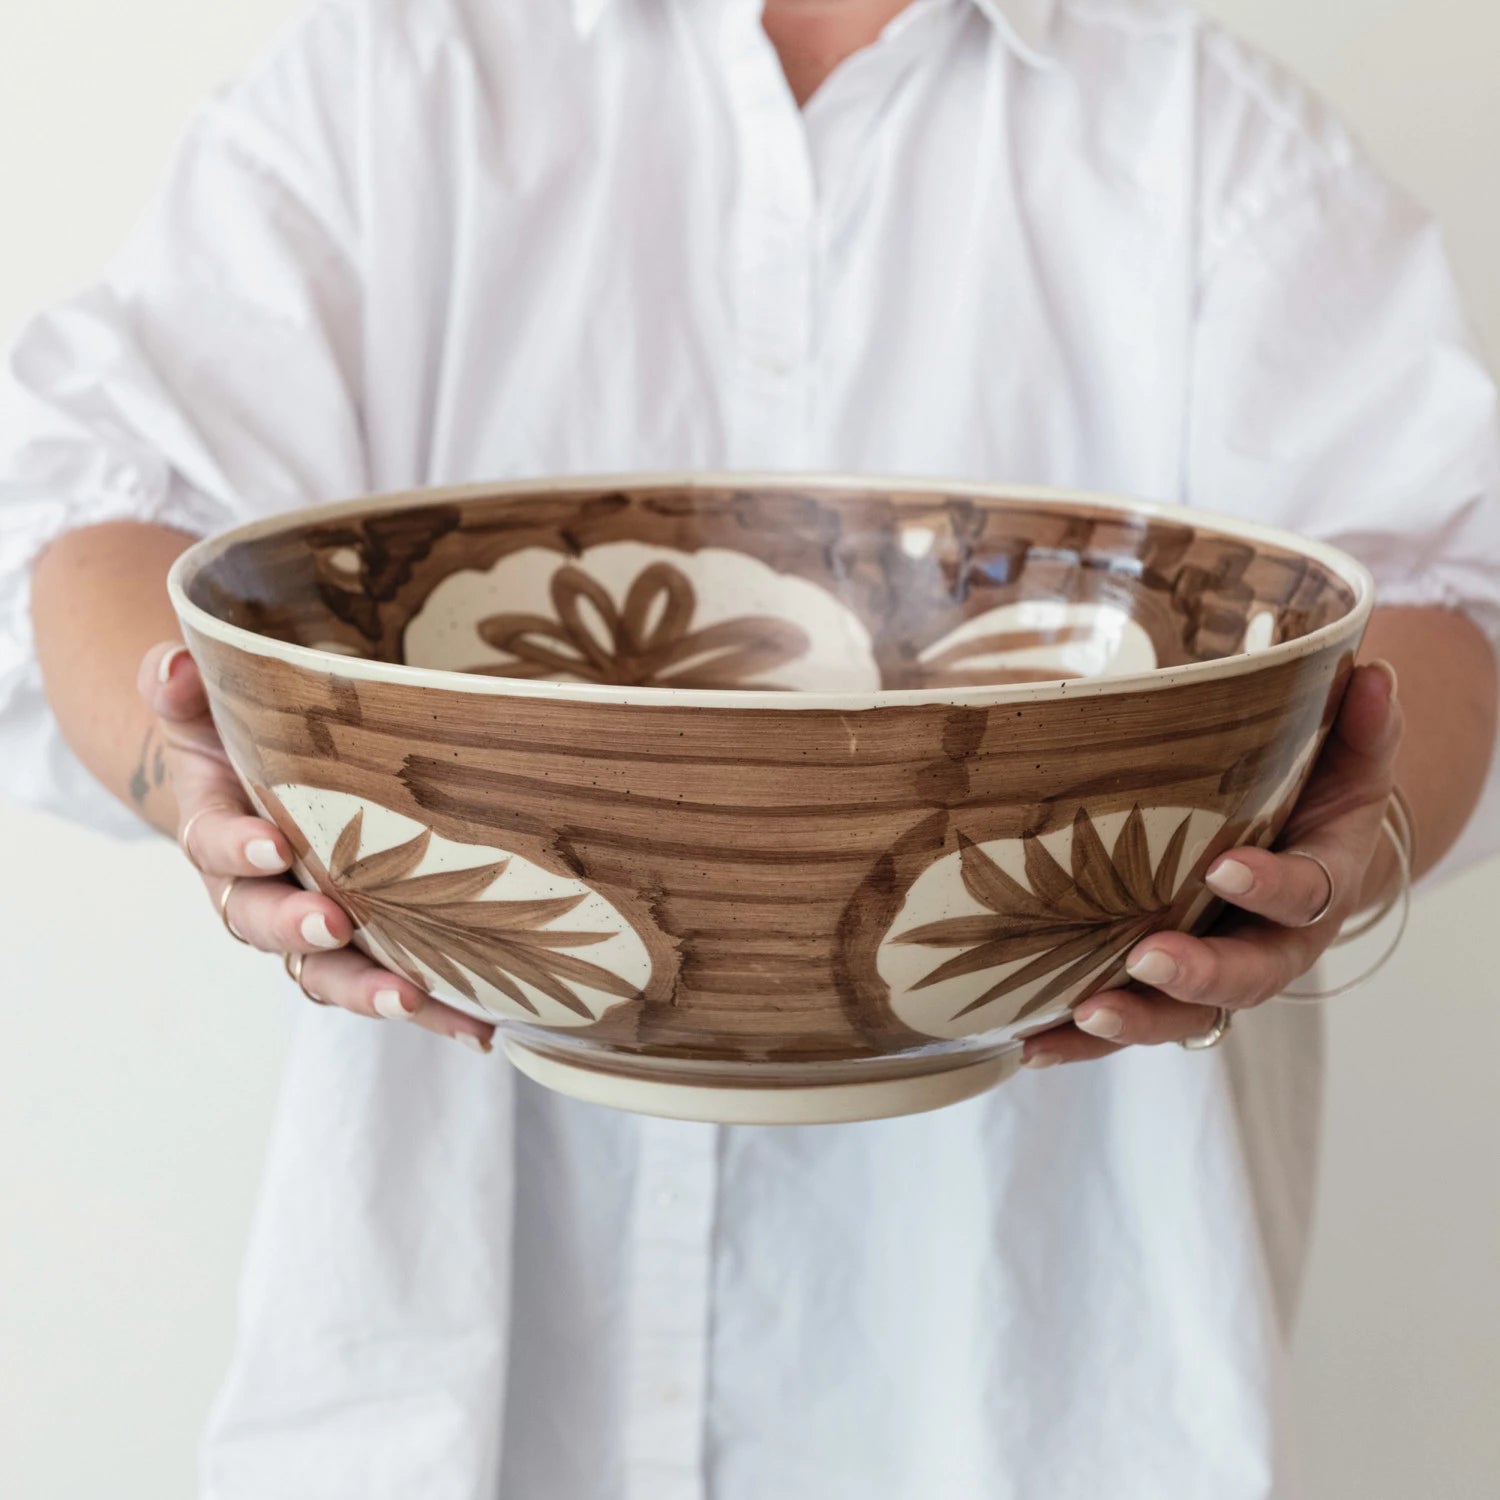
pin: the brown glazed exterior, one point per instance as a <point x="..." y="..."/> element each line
<point x="631" y="811"/>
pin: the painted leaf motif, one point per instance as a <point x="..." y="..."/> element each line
<point x="1166" y="871"/>
<point x="990" y="886"/>
<point x="1094" y="872"/>
<point x="446" y="885"/>
<point x="438" y="925"/>
<point x="1052" y="883"/>
<point x="388" y="866"/>
<point x="346" y="847"/>
<point x="1132" y="862"/>
<point x="1070" y="923"/>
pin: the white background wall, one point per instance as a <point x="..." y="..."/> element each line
<point x="139" y="1049"/>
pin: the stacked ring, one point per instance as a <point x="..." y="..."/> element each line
<point x="292" y="963"/>
<point x="1399" y="828"/>
<point x="185" y="833"/>
<point x="1327" y="906"/>
<point x="224" y="896"/>
<point x="1215" y="1034"/>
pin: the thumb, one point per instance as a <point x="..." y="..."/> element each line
<point x="1369" y="720"/>
<point x="169" y="683"/>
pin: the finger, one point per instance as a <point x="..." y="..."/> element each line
<point x="1064" y="1044"/>
<point x="352" y="982"/>
<point x="1287" y="888"/>
<point x="215" y="825"/>
<point x="1337" y="819"/>
<point x="1357" y="767"/>
<point x="173" y="689"/>
<point x="221" y="838"/>
<point x="1142" y="1018"/>
<point x="171" y="685"/>
<point x="1114" y="1019"/>
<point x="1369" y="718"/>
<point x="1236" y="969"/>
<point x="1187" y="979"/>
<point x="279" y="917"/>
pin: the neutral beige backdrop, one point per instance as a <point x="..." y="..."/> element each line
<point x="139" y="1050"/>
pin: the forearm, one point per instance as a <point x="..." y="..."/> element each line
<point x="98" y="603"/>
<point x="1447" y="675"/>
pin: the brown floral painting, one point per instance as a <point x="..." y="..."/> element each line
<point x="971" y="662"/>
<point x="650" y="640"/>
<point x="1071" y="922"/>
<point x="437" y="923"/>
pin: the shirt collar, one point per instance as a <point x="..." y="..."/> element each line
<point x="1025" y="24"/>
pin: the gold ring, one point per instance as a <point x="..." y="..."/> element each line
<point x="1332" y="889"/>
<point x="1213" y="1036"/>
<point x="292" y="963"/>
<point x="224" y="896"/>
<point x="186" y="831"/>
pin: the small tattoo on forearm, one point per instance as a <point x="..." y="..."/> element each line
<point x="145" y="775"/>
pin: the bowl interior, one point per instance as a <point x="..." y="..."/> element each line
<point x="768" y="586"/>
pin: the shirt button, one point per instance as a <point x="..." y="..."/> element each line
<point x="665" y="1198"/>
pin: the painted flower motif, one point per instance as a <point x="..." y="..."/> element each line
<point x="978" y="661"/>
<point x="647" y="641"/>
<point x="1038" y="640"/>
<point x="436" y="923"/>
<point x="1071" y="923"/>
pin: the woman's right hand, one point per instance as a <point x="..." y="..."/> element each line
<point x="228" y="842"/>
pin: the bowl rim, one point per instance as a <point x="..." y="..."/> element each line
<point x="197" y="557"/>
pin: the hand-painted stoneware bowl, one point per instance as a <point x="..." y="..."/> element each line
<point x="759" y="798"/>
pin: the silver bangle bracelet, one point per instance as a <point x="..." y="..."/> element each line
<point x="1399" y="828"/>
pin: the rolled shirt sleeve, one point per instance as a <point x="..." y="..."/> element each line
<point x="212" y="375"/>
<point x="1338" y="391"/>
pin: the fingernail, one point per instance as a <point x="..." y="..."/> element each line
<point x="1153" y="967"/>
<point x="472" y="1042"/>
<point x="263" y="854"/>
<point x="1042" y="1060"/>
<point x="1230" y="878"/>
<point x="1103" y="1022"/>
<point x="389" y="1006"/>
<point x="170" y="660"/>
<point x="315" y="931"/>
<point x="1387" y="671"/>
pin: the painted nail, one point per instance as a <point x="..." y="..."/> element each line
<point x="389" y="1006"/>
<point x="263" y="854"/>
<point x="1103" y="1022"/>
<point x="1042" y="1060"/>
<point x="1231" y="878"/>
<point x="472" y="1042"/>
<point x="170" y="660"/>
<point x="1387" y="671"/>
<point x="1152" y="968"/>
<point x="315" y="931"/>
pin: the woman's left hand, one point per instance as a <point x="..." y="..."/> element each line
<point x="1260" y="949"/>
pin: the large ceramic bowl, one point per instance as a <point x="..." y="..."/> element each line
<point x="777" y="799"/>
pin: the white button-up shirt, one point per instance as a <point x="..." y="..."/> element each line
<point x="1092" y="243"/>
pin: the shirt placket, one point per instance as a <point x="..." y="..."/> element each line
<point x="671" y="1243"/>
<point x="773" y="253"/>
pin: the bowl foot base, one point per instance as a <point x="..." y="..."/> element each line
<point x="794" y="1104"/>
